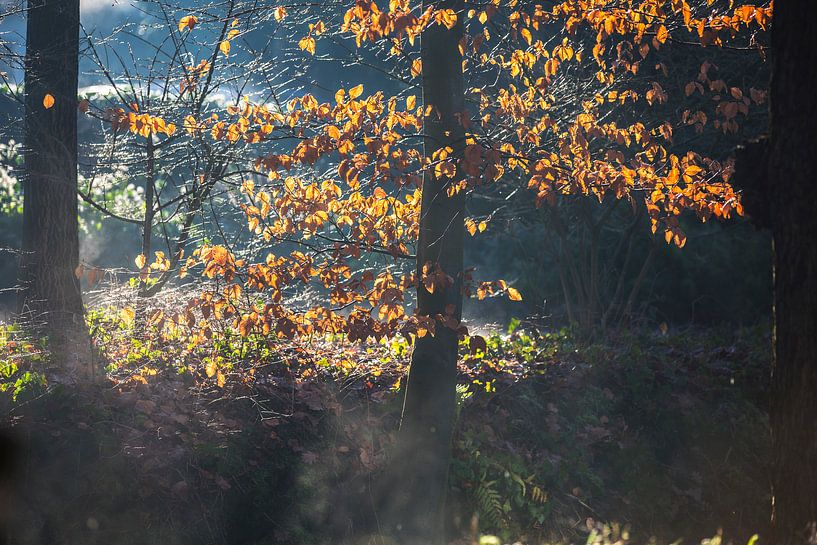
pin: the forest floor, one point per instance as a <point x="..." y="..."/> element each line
<point x="664" y="434"/>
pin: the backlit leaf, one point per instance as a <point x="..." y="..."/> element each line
<point x="416" y="68"/>
<point x="514" y="295"/>
<point x="307" y="43"/>
<point x="188" y="22"/>
<point x="127" y="314"/>
<point x="356" y="91"/>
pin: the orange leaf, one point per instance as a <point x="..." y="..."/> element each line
<point x="514" y="295"/>
<point x="447" y="17"/>
<point x="48" y="101"/>
<point x="127" y="314"/>
<point x="356" y="91"/>
<point x="307" y="43"/>
<point x="188" y="21"/>
<point x="416" y="68"/>
<point x="662" y="34"/>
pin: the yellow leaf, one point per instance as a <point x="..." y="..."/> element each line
<point x="662" y="34"/>
<point x="526" y="34"/>
<point x="48" y="101"/>
<point x="188" y="21"/>
<point x="140" y="261"/>
<point x="411" y="102"/>
<point x="127" y="314"/>
<point x="551" y="66"/>
<point x="307" y="43"/>
<point x="279" y="13"/>
<point x="210" y="368"/>
<point x="225" y="47"/>
<point x="514" y="295"/>
<point x="446" y="17"/>
<point x="416" y="68"/>
<point x="356" y="91"/>
<point x="221" y="380"/>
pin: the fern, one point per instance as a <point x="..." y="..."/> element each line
<point x="488" y="503"/>
<point x="538" y="495"/>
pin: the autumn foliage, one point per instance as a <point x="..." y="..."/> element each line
<point x="577" y="99"/>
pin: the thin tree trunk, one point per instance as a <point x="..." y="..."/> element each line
<point x="423" y="450"/>
<point x="50" y="291"/>
<point x="616" y="301"/>
<point x="627" y="313"/>
<point x="147" y="224"/>
<point x="566" y="259"/>
<point x="792" y="176"/>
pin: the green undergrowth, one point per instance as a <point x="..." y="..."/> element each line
<point x="667" y="432"/>
<point x="21" y="363"/>
<point x="259" y="441"/>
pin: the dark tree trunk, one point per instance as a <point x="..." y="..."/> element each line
<point x="50" y="293"/>
<point x="423" y="448"/>
<point x="792" y="179"/>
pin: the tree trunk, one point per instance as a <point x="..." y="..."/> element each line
<point x="147" y="224"/>
<point x="50" y="292"/>
<point x="423" y="448"/>
<point x="792" y="177"/>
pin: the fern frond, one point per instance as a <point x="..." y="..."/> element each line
<point x="489" y="504"/>
<point x="538" y="495"/>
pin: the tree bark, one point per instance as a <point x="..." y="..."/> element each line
<point x="792" y="175"/>
<point x="423" y="450"/>
<point x="147" y="224"/>
<point x="50" y="292"/>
